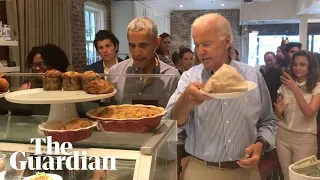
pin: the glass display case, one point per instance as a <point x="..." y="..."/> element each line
<point x="139" y="156"/>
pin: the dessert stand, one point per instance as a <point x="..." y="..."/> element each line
<point x="62" y="103"/>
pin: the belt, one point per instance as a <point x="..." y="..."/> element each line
<point x="221" y="165"/>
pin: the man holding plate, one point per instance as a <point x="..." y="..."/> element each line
<point x="220" y="132"/>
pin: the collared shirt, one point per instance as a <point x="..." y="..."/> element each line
<point x="221" y="130"/>
<point x="132" y="89"/>
<point x="294" y="119"/>
<point x="105" y="68"/>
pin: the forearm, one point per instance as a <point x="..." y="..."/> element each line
<point x="304" y="106"/>
<point x="181" y="110"/>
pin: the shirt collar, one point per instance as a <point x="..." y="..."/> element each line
<point x="106" y="66"/>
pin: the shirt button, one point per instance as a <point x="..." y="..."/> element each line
<point x="225" y="103"/>
<point x="139" y="93"/>
<point x="230" y="159"/>
<point x="141" y="79"/>
<point x="229" y="140"/>
<point x="227" y="122"/>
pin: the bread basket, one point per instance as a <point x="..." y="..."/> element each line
<point x="73" y="135"/>
<point x="130" y="125"/>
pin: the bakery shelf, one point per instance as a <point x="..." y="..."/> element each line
<point x="9" y="43"/>
<point x="10" y="69"/>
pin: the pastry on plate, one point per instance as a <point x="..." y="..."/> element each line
<point x="71" y="81"/>
<point x="87" y="77"/>
<point x="226" y="80"/>
<point x="52" y="80"/>
<point x="76" y="124"/>
<point x="99" y="86"/>
<point x="4" y="85"/>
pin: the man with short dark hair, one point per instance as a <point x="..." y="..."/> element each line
<point x="107" y="45"/>
<point x="291" y="49"/>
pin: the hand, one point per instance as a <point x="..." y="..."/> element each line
<point x="194" y="94"/>
<point x="255" y="151"/>
<point x="280" y="105"/>
<point x="287" y="80"/>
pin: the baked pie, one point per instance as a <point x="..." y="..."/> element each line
<point x="52" y="80"/>
<point x="226" y="80"/>
<point x="71" y="81"/>
<point x="99" y="86"/>
<point x="129" y="112"/>
<point x="76" y="124"/>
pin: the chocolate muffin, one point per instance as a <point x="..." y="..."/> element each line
<point x="52" y="80"/>
<point x="4" y="85"/>
<point x="87" y="77"/>
<point x="71" y="81"/>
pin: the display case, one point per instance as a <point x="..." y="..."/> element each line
<point x="139" y="156"/>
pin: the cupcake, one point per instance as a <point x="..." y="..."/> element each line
<point x="87" y="77"/>
<point x="71" y="81"/>
<point x="52" y="80"/>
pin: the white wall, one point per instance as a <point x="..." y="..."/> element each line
<point x="276" y="9"/>
<point x="307" y="6"/>
<point x="122" y="15"/>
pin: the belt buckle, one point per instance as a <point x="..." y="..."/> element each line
<point x="220" y="166"/>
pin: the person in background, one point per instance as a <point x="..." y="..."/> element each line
<point x="280" y="56"/>
<point x="107" y="46"/>
<point x="40" y="59"/>
<point x="221" y="132"/>
<point x="164" y="47"/>
<point x="284" y="43"/>
<point x="290" y="50"/>
<point x="43" y="58"/>
<point x="271" y="75"/>
<point x="185" y="60"/>
<point x="234" y="54"/>
<point x="296" y="109"/>
<point x="317" y="55"/>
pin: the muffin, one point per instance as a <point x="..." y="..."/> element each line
<point x="99" y="86"/>
<point x="52" y="80"/>
<point x="4" y="85"/>
<point x="87" y="77"/>
<point x="71" y="81"/>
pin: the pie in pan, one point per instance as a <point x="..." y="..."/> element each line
<point x="127" y="118"/>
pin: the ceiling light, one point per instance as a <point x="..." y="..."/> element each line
<point x="181" y="5"/>
<point x="222" y="4"/>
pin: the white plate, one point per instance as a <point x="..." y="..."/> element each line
<point x="251" y="86"/>
<point x="3" y="94"/>
<point x="40" y="96"/>
<point x="53" y="176"/>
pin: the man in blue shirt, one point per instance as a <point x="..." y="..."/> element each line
<point x="221" y="132"/>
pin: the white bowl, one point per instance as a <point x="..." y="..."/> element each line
<point x="53" y="176"/>
<point x="295" y="176"/>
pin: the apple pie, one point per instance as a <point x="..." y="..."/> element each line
<point x="226" y="80"/>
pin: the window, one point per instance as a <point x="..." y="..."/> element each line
<point x="94" y="21"/>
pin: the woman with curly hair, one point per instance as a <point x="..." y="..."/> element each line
<point x="43" y="58"/>
<point x="297" y="108"/>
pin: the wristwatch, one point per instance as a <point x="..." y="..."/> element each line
<point x="264" y="143"/>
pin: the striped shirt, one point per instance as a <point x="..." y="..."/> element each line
<point x="221" y="130"/>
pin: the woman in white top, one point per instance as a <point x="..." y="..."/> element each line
<point x="297" y="108"/>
